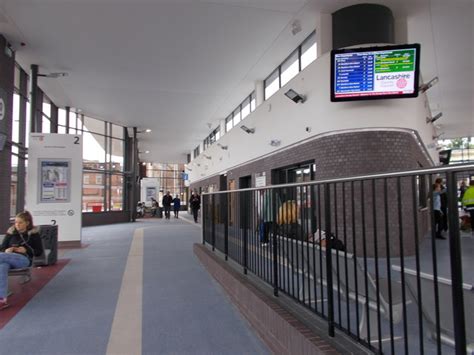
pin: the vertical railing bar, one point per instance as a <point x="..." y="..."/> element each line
<point x="289" y="287"/>
<point x="226" y="224"/>
<point x="354" y="247"/>
<point x="336" y="229"/>
<point x="402" y="260"/>
<point x="240" y="239"/>
<point x="246" y="228"/>
<point x="314" y="201"/>
<point x="376" y="257"/>
<point x="329" y="288"/>
<point x="203" y="221"/>
<point x="301" y="232"/>
<point x="281" y="249"/>
<point x="273" y="204"/>
<point x="456" y="266"/>
<point x="291" y="275"/>
<point x="364" y="250"/>
<point x="213" y="226"/>
<point x="389" y="273"/>
<point x="320" y="252"/>
<point x="417" y="261"/>
<point x="261" y="228"/>
<point x="253" y="244"/>
<point x="346" y="269"/>
<point x="309" y="231"/>
<point x="435" y="271"/>
<point x="295" y="243"/>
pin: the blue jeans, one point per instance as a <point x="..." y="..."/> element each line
<point x="10" y="261"/>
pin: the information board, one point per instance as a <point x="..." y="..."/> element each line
<point x="375" y="72"/>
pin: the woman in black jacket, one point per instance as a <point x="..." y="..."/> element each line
<point x="19" y="246"/>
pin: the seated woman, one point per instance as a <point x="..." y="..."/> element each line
<point x="19" y="246"/>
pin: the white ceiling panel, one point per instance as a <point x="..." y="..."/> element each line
<point x="174" y="66"/>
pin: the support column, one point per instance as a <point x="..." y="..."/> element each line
<point x="34" y="125"/>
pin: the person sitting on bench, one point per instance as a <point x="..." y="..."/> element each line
<point x="21" y="243"/>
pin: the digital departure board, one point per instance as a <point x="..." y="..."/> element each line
<point x="375" y="72"/>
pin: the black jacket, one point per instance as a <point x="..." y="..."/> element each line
<point x="167" y="200"/>
<point x="31" y="240"/>
<point x="195" y="202"/>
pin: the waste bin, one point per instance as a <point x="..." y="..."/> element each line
<point x="97" y="208"/>
<point x="49" y="237"/>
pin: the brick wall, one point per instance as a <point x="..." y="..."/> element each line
<point x="353" y="154"/>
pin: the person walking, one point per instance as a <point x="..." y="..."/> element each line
<point x="468" y="203"/>
<point x="176" y="206"/>
<point x="437" y="213"/>
<point x="195" y="203"/>
<point x="444" y="204"/>
<point x="154" y="207"/>
<point x="167" y="200"/>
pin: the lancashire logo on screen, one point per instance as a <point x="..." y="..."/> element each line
<point x="401" y="83"/>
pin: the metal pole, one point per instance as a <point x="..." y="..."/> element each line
<point x="456" y="266"/>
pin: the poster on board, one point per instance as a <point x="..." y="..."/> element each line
<point x="55" y="184"/>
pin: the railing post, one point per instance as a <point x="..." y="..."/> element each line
<point x="225" y="213"/>
<point x="456" y="265"/>
<point x="329" y="286"/>
<point x="273" y="206"/>
<point x="245" y="225"/>
<point x="213" y="225"/>
<point x="203" y="218"/>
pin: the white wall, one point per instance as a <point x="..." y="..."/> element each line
<point x="280" y="118"/>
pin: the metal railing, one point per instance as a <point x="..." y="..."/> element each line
<point x="368" y="254"/>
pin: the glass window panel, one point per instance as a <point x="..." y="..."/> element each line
<point x="228" y="123"/>
<point x="93" y="192"/>
<point x="62" y="117"/>
<point x="117" y="154"/>
<point x="236" y="116"/>
<point x="94" y="125"/>
<point x="272" y="84"/>
<point x="93" y="151"/>
<point x="61" y="129"/>
<point x="46" y="125"/>
<point x="290" y="68"/>
<point x="16" y="118"/>
<point x="246" y="107"/>
<point x="28" y="127"/>
<point x="253" y="102"/>
<point x="47" y="109"/>
<point x="116" y="192"/>
<point x="17" y="77"/>
<point x="117" y="131"/>
<point x="308" y="51"/>
<point x="72" y="122"/>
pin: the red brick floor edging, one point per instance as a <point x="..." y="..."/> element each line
<point x="280" y="330"/>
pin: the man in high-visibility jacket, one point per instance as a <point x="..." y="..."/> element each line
<point x="468" y="202"/>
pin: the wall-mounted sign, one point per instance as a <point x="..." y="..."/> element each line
<point x="260" y="180"/>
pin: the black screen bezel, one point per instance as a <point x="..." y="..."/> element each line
<point x="369" y="49"/>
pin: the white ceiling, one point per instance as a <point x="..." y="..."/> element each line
<point x="179" y="66"/>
